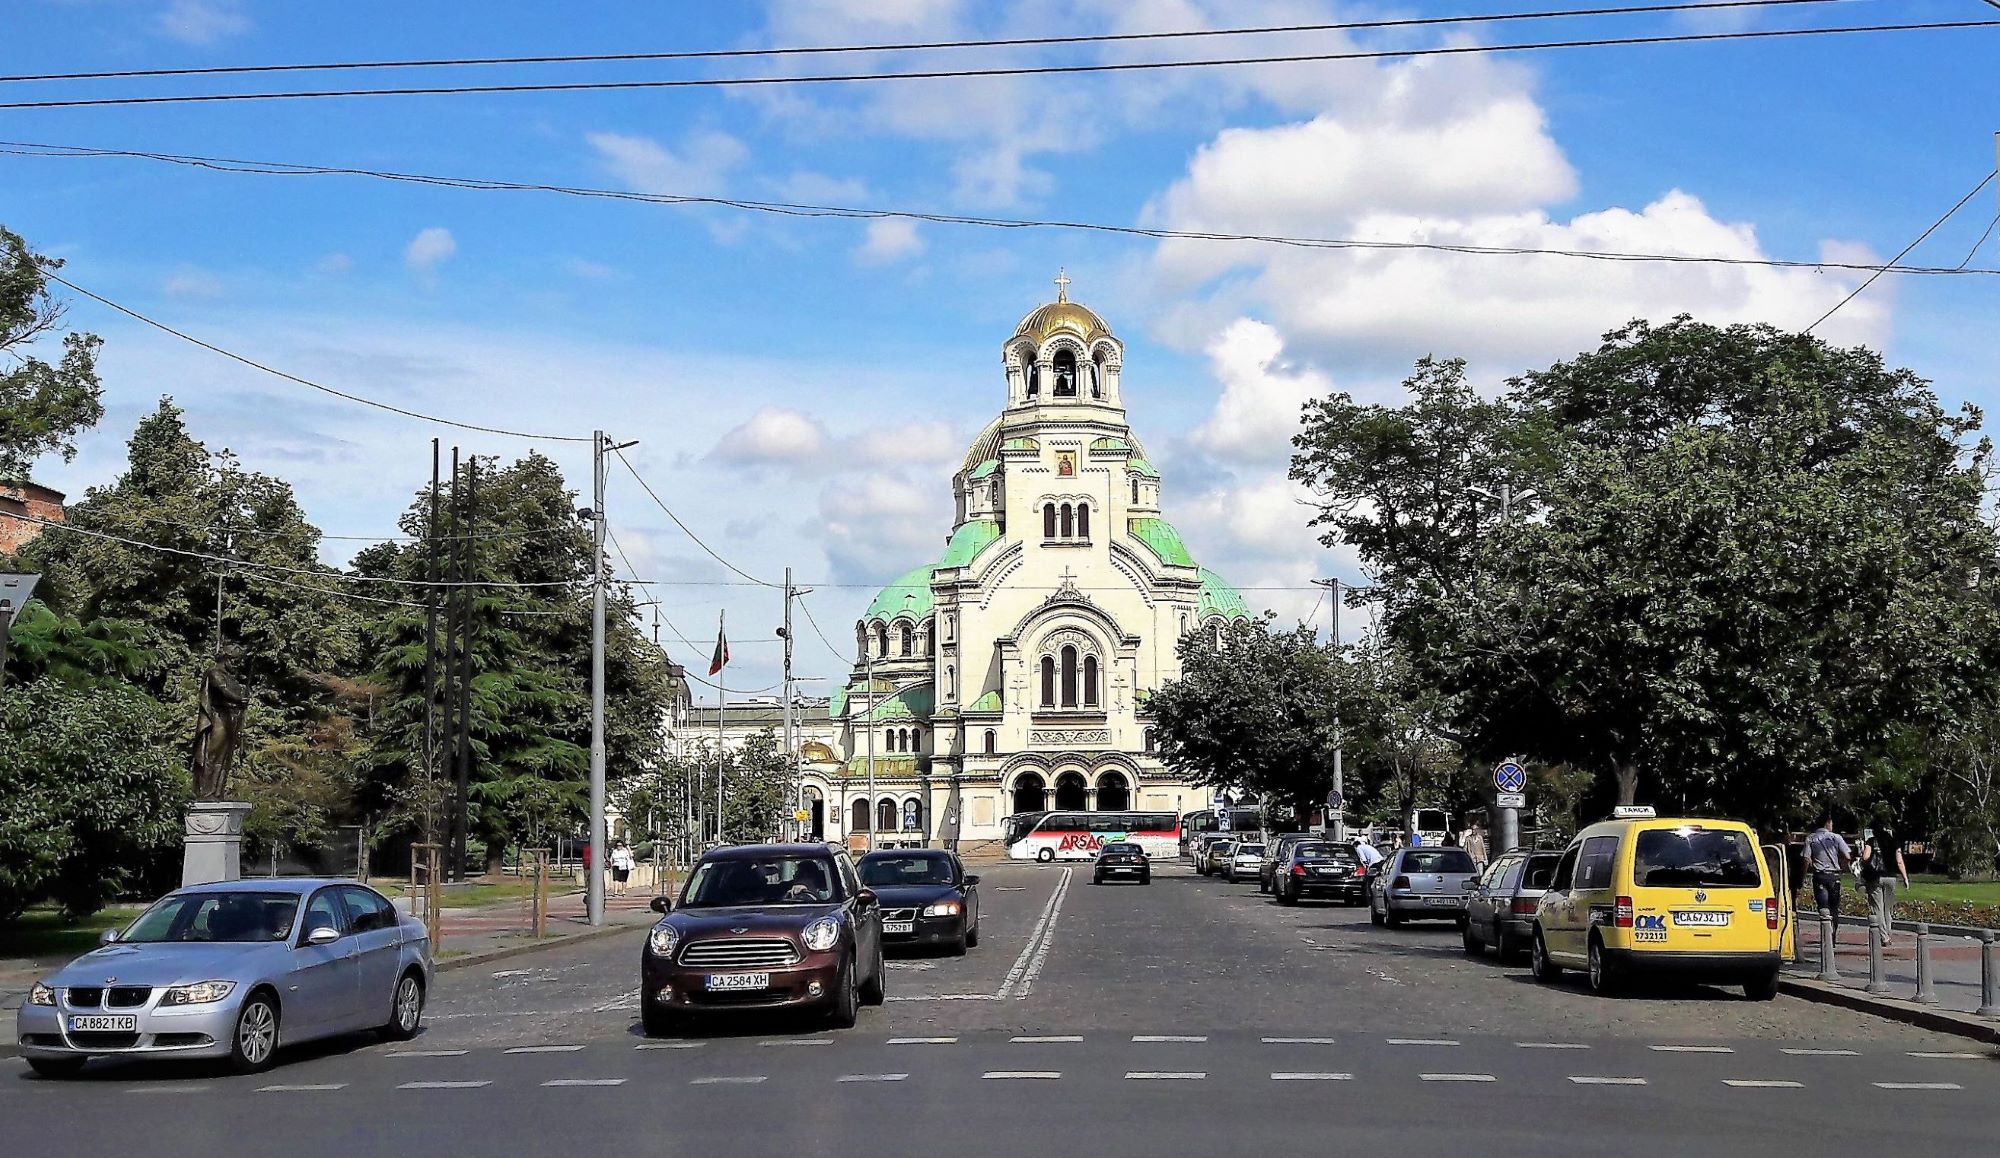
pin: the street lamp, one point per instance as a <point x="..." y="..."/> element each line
<point x="1509" y="818"/>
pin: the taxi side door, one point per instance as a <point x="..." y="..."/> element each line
<point x="1563" y="925"/>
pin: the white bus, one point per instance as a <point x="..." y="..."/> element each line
<point x="1049" y="836"/>
<point x="1206" y="820"/>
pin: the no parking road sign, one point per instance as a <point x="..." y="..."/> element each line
<point x="1510" y="777"/>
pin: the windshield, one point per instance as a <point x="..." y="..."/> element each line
<point x="210" y="917"/>
<point x="1688" y="857"/>
<point x="777" y="880"/>
<point x="1249" y="850"/>
<point x="890" y="871"/>
<point x="1438" y="860"/>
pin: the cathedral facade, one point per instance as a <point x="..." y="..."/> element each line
<point x="1011" y="673"/>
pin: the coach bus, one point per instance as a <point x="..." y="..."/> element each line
<point x="1047" y="836"/>
<point x="1210" y="820"/>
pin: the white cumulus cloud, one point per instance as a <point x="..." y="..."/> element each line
<point x="430" y="249"/>
<point x="889" y="239"/>
<point x="202" y="22"/>
<point x="698" y="166"/>
<point x="772" y="436"/>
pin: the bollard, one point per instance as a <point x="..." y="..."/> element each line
<point x="1926" y="991"/>
<point x="1828" y="971"/>
<point x="1989" y="977"/>
<point x="1877" y="981"/>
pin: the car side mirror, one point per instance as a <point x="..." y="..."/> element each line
<point x="108" y="937"/>
<point x="661" y="904"/>
<point x="973" y="879"/>
<point x="324" y="935"/>
<point x="865" y="896"/>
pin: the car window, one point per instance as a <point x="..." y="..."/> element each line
<point x="1510" y="875"/>
<point x="368" y="910"/>
<point x="892" y="871"/>
<point x="850" y="880"/>
<point x="323" y="911"/>
<point x="1540" y="870"/>
<point x="1593" y="865"/>
<point x="215" y="917"/>
<point x="1692" y="856"/>
<point x="774" y="880"/>
<point x="1565" y="870"/>
<point x="1122" y="848"/>
<point x="1249" y="850"/>
<point x="1438" y="860"/>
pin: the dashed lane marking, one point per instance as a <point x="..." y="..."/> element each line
<point x="1298" y="1041"/>
<point x="1592" y="1080"/>
<point x="749" y="1080"/>
<point x="545" y="1049"/>
<point x="1918" y="1086"/>
<point x="1168" y="1037"/>
<point x="584" y="1082"/>
<point x="798" y="1041"/>
<point x="923" y="1041"/>
<point x="1951" y="1056"/>
<point x="443" y="1085"/>
<point x="325" y="1087"/>
<point x="426" y="1053"/>
<point x="1762" y="1084"/>
<point x="1458" y="1077"/>
<point x="873" y="1077"/>
<point x="1799" y="1052"/>
<point x="670" y="1045"/>
<point x="1420" y="1041"/>
<point x="1050" y="1039"/>
<point x="1690" y="1049"/>
<point x="166" y="1090"/>
<point x="1550" y="1045"/>
<point x="1165" y="1076"/>
<point x="1021" y="1075"/>
<point x="1310" y="1077"/>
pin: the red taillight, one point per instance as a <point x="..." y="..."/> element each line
<point x="1621" y="912"/>
<point x="1361" y="870"/>
<point x="1298" y="870"/>
<point x="1400" y="883"/>
<point x="1523" y="907"/>
<point x="1770" y="912"/>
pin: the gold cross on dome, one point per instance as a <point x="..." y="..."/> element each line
<point x="1062" y="284"/>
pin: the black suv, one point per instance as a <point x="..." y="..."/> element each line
<point x="764" y="927"/>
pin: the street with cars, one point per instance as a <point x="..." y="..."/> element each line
<point x="1160" y="1013"/>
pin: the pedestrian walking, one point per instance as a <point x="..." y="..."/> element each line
<point x="1828" y="855"/>
<point x="621" y="868"/>
<point x="1882" y="867"/>
<point x="1474" y="840"/>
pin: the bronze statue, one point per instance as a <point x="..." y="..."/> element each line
<point x="219" y="726"/>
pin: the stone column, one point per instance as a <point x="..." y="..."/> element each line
<point x="212" y="848"/>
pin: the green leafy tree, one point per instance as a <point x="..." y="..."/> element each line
<point x="43" y="404"/>
<point x="42" y="643"/>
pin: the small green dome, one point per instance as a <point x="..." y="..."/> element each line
<point x="909" y="595"/>
<point x="1219" y="598"/>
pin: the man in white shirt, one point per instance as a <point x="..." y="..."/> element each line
<point x="1366" y="853"/>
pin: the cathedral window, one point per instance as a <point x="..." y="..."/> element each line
<point x="1068" y="677"/>
<point x="859" y="816"/>
<point x="1089" y="681"/>
<point x="903" y="639"/>
<point x="881" y="641"/>
<point x="1065" y="374"/>
<point x="1068" y="522"/>
<point x="1135" y="492"/>
<point x="1083" y="521"/>
<point x="885" y="814"/>
<point x="916" y="739"/>
<point x="992" y="742"/>
<point x="1148" y="743"/>
<point x="1096" y="370"/>
<point x="1048" y="681"/>
<point x="950" y="684"/>
<point x="1048" y="520"/>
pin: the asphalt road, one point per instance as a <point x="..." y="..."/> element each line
<point x="1119" y="1019"/>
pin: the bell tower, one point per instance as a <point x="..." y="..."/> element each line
<point x="1063" y="355"/>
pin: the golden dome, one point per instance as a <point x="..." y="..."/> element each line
<point x="1062" y="316"/>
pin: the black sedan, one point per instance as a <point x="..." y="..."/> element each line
<point x="927" y="898"/>
<point x="1122" y="860"/>
<point x="1317" y="868"/>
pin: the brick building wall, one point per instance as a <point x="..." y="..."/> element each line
<point x="31" y="500"/>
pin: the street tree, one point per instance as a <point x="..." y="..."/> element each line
<point x="43" y="403"/>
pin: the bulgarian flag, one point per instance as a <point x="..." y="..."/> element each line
<point x="721" y="657"/>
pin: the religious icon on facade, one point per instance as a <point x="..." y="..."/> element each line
<point x="1066" y="464"/>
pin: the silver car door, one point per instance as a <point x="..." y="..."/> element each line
<point x="378" y="944"/>
<point x="319" y="997"/>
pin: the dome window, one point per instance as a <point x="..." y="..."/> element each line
<point x="1064" y="369"/>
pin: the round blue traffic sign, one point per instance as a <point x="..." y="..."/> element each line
<point x="1510" y="777"/>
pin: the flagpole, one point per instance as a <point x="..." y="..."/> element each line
<point x="721" y="710"/>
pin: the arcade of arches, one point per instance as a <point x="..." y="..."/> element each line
<point x="1109" y="790"/>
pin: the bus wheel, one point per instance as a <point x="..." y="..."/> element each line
<point x="1046" y="855"/>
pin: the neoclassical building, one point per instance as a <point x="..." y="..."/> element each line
<point x="1014" y="668"/>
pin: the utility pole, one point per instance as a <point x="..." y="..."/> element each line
<point x="431" y="618"/>
<point x="1508" y="820"/>
<point x="1336" y="817"/>
<point x="791" y="746"/>
<point x="593" y="885"/>
<point x="462" y="773"/>
<point x="438" y="765"/>
<point x="868" y="678"/>
<point x="721" y="713"/>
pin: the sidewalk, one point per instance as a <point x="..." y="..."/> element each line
<point x="1955" y="968"/>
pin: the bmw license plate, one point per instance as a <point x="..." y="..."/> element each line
<point x="899" y="926"/>
<point x="128" y="1023"/>
<point x="723" y="982"/>
<point x="1712" y="918"/>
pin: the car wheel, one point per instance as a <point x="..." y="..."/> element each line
<point x="874" y="990"/>
<point x="253" y="1044"/>
<point x="656" y="1022"/>
<point x="1763" y="987"/>
<point x="406" y="1012"/>
<point x="1374" y="917"/>
<point x="1471" y="940"/>
<point x="1096" y="878"/>
<point x="1145" y="878"/>
<point x="846" y="1007"/>
<point x="56" y="1067"/>
<point x="1391" y="917"/>
<point x="972" y="936"/>
<point x="1046" y="855"/>
<point x="1545" y="969"/>
<point x="957" y="948"/>
<point x="1604" y="978"/>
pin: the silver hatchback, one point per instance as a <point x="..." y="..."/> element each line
<point x="233" y="971"/>
<point x="1422" y="884"/>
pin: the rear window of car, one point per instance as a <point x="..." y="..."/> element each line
<point x="1541" y="870"/>
<point x="1120" y="848"/>
<point x="1691" y="857"/>
<point x="1322" y="852"/>
<point x="1438" y="860"/>
<point x="1249" y="849"/>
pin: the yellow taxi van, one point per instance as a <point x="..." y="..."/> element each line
<point x="1640" y="895"/>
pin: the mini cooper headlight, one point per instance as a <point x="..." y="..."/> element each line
<point x="942" y="909"/>
<point x="40" y="994"/>
<point x="200" y="993"/>
<point x="822" y="934"/>
<point x="663" y="939"/>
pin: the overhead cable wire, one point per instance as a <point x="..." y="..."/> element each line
<point x="633" y="572"/>
<point x="1920" y="238"/>
<point x="807" y="608"/>
<point x="482" y="535"/>
<point x="661" y="503"/>
<point x="860" y="213"/>
<point x="1005" y="70"/>
<point x="289" y="377"/>
<point x="916" y="46"/>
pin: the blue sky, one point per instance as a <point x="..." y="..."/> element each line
<point x="802" y="389"/>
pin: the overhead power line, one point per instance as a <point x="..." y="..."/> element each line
<point x="685" y="529"/>
<point x="294" y="378"/>
<point x="918" y="46"/>
<point x="1006" y="70"/>
<point x="1933" y="228"/>
<point x="858" y="213"/>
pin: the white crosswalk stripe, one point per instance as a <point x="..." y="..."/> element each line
<point x="799" y="1041"/>
<point x="923" y="1041"/>
<point x="1795" y="1052"/>
<point x="1588" y="1080"/>
<point x="1029" y="1075"/>
<point x="1164" y="1075"/>
<point x="546" y="1049"/>
<point x="426" y="1053"/>
<point x="323" y="1087"/>
<point x="1458" y="1077"/>
<point x="1762" y="1084"/>
<point x="1298" y="1041"/>
<point x="473" y="1085"/>
<point x="1691" y="1049"/>
<point x="1950" y="1056"/>
<point x="1550" y="1045"/>
<point x="873" y="1077"/>
<point x="1310" y="1077"/>
<point x="1420" y="1041"/>
<point x="1168" y="1037"/>
<point x="1918" y="1086"/>
<point x="670" y="1045"/>
<point x="585" y="1082"/>
<point x="1047" y="1039"/>
<point x="747" y="1080"/>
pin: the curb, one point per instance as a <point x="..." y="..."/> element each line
<point x="1929" y="1017"/>
<point x="471" y="959"/>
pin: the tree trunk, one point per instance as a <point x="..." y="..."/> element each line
<point x="1628" y="782"/>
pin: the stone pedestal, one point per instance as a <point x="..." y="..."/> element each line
<point x="213" y="846"/>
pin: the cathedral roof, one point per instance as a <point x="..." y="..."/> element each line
<point x="1161" y="538"/>
<point x="1219" y="598"/>
<point x="909" y="595"/>
<point x="968" y="541"/>
<point x="1062" y="317"/>
<point x="913" y="702"/>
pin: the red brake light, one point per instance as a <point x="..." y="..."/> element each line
<point x="1361" y="870"/>
<point x="1523" y="907"/>
<point x="1298" y="870"/>
<point x="1400" y="883"/>
<point x="1621" y="912"/>
<point x="1770" y="912"/>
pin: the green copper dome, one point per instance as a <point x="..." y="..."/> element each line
<point x="1219" y="598"/>
<point x="909" y="595"/>
<point x="1161" y="538"/>
<point x="968" y="541"/>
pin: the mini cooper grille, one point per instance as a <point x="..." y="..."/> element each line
<point x="744" y="953"/>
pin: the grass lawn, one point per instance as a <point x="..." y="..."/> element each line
<point x="482" y="892"/>
<point x="43" y="932"/>
<point x="1946" y="891"/>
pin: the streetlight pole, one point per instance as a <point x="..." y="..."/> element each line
<point x="1508" y="828"/>
<point x="1336" y="817"/>
<point x="594" y="879"/>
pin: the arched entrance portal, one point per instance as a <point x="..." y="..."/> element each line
<point x="1031" y="792"/>
<point x="1114" y="792"/>
<point x="1070" y="792"/>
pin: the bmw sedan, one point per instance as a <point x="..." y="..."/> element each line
<point x="927" y="898"/>
<point x="233" y="970"/>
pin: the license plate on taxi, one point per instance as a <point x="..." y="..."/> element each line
<point x="1707" y="918"/>
<point x="723" y="982"/>
<point x="128" y="1023"/>
<point x="899" y="926"/>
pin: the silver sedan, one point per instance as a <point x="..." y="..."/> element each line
<point x="233" y="971"/>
